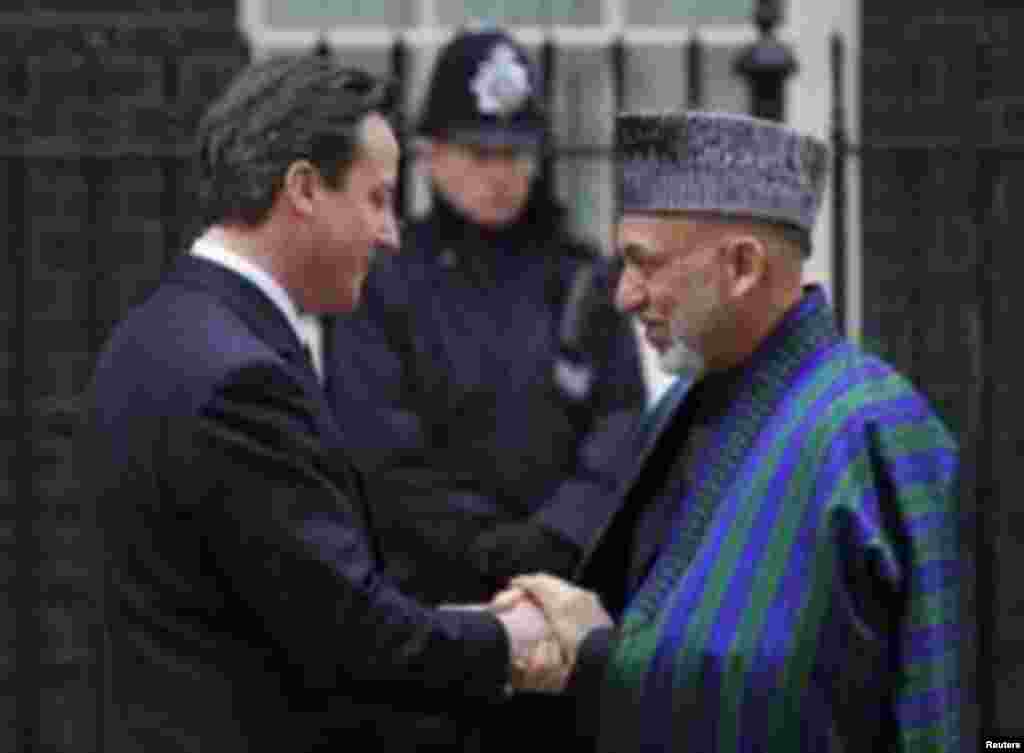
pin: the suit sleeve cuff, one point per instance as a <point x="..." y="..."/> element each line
<point x="486" y="639"/>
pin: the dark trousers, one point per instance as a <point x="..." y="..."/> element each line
<point x="529" y="723"/>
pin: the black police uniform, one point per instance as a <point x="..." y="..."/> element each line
<point x="493" y="405"/>
<point x="480" y="461"/>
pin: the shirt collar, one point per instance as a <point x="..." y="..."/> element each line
<point x="213" y="249"/>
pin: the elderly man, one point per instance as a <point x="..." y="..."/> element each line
<point x="783" y="573"/>
<point x="245" y="608"/>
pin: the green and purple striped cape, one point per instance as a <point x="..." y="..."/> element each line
<point x="808" y="597"/>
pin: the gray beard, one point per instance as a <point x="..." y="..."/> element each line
<point x="682" y="360"/>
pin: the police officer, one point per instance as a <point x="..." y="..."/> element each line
<point x="492" y="381"/>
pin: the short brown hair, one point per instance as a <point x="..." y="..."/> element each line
<point x="274" y="113"/>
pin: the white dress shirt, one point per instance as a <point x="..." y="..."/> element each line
<point x="307" y="326"/>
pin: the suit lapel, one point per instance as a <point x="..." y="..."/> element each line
<point x="262" y="317"/>
<point x="245" y="300"/>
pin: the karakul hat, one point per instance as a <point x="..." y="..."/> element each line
<point x="720" y="163"/>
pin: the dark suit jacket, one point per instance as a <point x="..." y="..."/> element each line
<point x="628" y="539"/>
<point x="244" y="607"/>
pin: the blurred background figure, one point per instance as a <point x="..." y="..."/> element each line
<point x="492" y="380"/>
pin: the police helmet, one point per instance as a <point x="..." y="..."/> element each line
<point x="484" y="90"/>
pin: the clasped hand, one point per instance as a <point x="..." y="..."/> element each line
<point x="547" y="620"/>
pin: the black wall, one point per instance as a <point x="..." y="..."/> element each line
<point x="96" y="110"/>
<point x="943" y="161"/>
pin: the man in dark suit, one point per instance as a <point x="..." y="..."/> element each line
<point x="244" y="606"/>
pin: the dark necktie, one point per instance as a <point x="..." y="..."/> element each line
<point x="308" y="353"/>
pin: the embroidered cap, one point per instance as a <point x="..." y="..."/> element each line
<point x="484" y="90"/>
<point x="721" y="163"/>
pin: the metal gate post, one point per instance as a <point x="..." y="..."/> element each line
<point x="399" y="82"/>
<point x="767" y="63"/>
<point x="840" y="201"/>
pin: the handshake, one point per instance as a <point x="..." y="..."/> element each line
<point x="546" y="619"/>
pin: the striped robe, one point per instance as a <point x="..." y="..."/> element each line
<point x="807" y="596"/>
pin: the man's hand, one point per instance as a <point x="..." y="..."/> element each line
<point x="571" y="611"/>
<point x="534" y="650"/>
<point x="543" y="668"/>
<point x="527" y="628"/>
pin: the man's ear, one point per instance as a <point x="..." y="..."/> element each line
<point x="747" y="264"/>
<point x="301" y="182"/>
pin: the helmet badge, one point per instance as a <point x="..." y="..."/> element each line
<point x="501" y="83"/>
